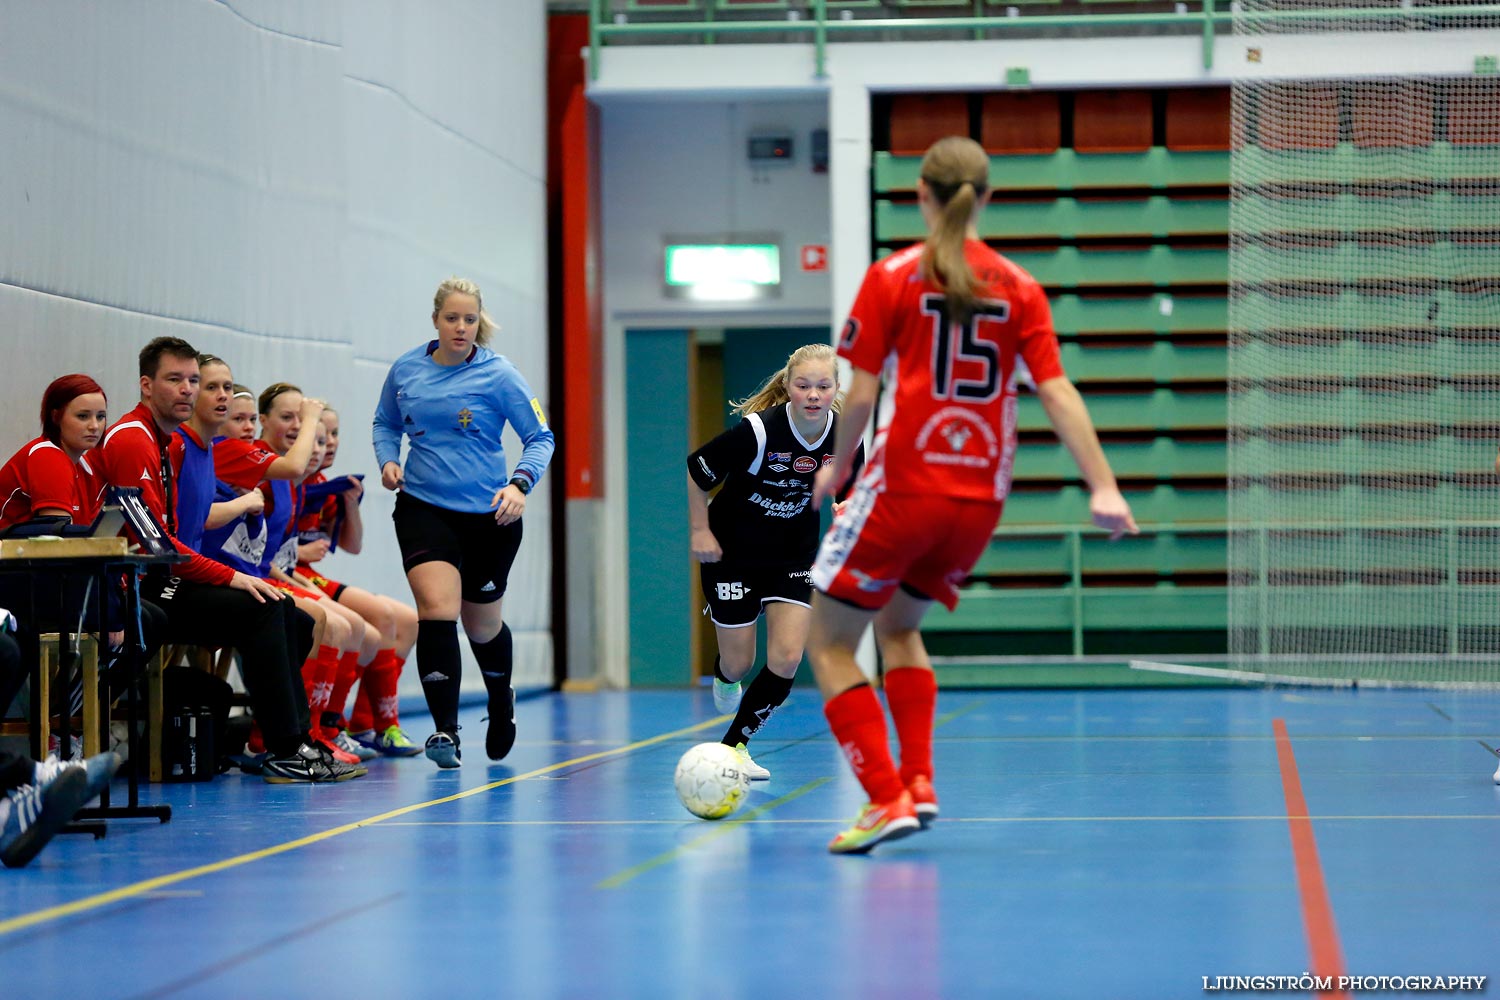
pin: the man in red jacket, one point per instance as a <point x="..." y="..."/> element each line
<point x="206" y="602"/>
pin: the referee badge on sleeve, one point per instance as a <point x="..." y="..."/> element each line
<point x="536" y="408"/>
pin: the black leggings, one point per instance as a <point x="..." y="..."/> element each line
<point x="207" y="615"/>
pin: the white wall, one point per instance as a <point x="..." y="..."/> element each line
<point x="680" y="170"/>
<point x="284" y="184"/>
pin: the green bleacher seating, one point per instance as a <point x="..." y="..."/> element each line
<point x="1438" y="310"/>
<point x="1164" y="606"/>
<point x="1440" y="260"/>
<point x="1157" y="409"/>
<point x="1157" y="266"/>
<point x="1152" y="552"/>
<point x="1348" y="163"/>
<point x="1138" y="284"/>
<point x="1066" y="170"/>
<point x="1158" y="458"/>
<point x="1070" y="218"/>
<point x="1355" y="213"/>
<point x="1070" y="505"/>
<point x="1160" y="313"/>
<point x="1159" y="361"/>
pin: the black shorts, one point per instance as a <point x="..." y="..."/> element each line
<point x="482" y="550"/>
<point x="735" y="594"/>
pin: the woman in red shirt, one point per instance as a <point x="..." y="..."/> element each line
<point x="947" y="322"/>
<point x="49" y="476"/>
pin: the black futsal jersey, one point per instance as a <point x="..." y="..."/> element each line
<point x="763" y="514"/>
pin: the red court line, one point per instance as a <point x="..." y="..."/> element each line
<point x="1317" y="913"/>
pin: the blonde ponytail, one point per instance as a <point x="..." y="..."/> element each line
<point x="956" y="172"/>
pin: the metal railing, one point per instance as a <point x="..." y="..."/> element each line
<point x="820" y="26"/>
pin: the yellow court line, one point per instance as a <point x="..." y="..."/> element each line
<point x="757" y="815"/>
<point x="619" y="879"/>
<point x="34" y="918"/>
<point x="948" y="717"/>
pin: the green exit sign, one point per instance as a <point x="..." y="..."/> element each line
<point x="1017" y="76"/>
<point x="1486" y="65"/>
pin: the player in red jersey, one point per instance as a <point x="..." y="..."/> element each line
<point x="944" y="322"/>
<point x="50" y="475"/>
<point x="374" y="720"/>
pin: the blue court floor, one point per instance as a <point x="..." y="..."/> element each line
<point x="1093" y="844"/>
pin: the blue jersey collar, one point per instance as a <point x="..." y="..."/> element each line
<point x="432" y="346"/>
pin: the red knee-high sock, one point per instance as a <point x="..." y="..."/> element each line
<point x="361" y="718"/>
<point x="376" y="686"/>
<point x="911" y="692"/>
<point x="349" y="671"/>
<point x="318" y="676"/>
<point x="858" y="725"/>
<point x="384" y="697"/>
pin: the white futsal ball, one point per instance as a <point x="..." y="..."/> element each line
<point x="711" y="782"/>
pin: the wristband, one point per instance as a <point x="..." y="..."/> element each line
<point x="521" y="483"/>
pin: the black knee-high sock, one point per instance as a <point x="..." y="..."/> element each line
<point x="764" y="695"/>
<point x="494" y="658"/>
<point x="494" y="663"/>
<point x="439" y="664"/>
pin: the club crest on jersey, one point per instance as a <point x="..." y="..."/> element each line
<point x="957" y="436"/>
<point x="465" y="418"/>
<point x="828" y="460"/>
<point x="805" y="463"/>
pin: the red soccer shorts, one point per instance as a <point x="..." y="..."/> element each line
<point x="884" y="540"/>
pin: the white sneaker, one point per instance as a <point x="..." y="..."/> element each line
<point x="752" y="770"/>
<point x="99" y="770"/>
<point x="346" y="743"/>
<point x="442" y="749"/>
<point x="727" y="696"/>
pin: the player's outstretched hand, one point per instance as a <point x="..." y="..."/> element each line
<point x="825" y="485"/>
<point x="1110" y="512"/>
<point x="390" y="476"/>
<point x="706" y="547"/>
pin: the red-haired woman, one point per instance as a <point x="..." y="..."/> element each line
<point x="49" y="476"/>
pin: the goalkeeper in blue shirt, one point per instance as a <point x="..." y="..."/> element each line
<point x="458" y="515"/>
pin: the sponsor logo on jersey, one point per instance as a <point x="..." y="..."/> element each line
<point x="778" y="467"/>
<point x="779" y="508"/>
<point x="805" y="463"/>
<point x="828" y="460"/>
<point x="778" y="456"/>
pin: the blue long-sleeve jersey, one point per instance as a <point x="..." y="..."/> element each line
<point x="452" y="418"/>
